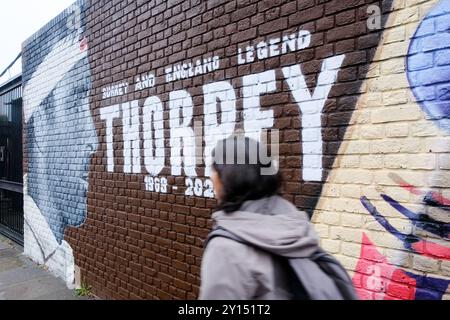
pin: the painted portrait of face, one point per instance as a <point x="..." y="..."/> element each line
<point x="402" y="177"/>
<point x="59" y="127"/>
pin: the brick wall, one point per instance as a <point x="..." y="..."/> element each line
<point x="114" y="92"/>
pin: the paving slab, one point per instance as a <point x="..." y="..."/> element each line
<point x="22" y="279"/>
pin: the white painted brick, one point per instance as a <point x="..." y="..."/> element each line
<point x="398" y="193"/>
<point x="395" y="34"/>
<point x="346" y="234"/>
<point x="390" y="82"/>
<point x="425" y="264"/>
<point x="348" y="262"/>
<point x="424" y="129"/>
<point x="351" y="249"/>
<point x="372" y="132"/>
<point x="350" y="191"/>
<point x="392" y="50"/>
<point x="400" y="258"/>
<point x="331" y="246"/>
<point x="330" y="218"/>
<point x="322" y="230"/>
<point x="372" y="162"/>
<point x="445" y="268"/>
<point x="422" y="161"/>
<point x="407" y="15"/>
<point x="374" y="99"/>
<point x="352" y="220"/>
<point x="444" y="161"/>
<point x="371" y="192"/>
<point x="395" y="161"/>
<point x="354" y="176"/>
<point x="396" y="130"/>
<point x="392" y="66"/>
<point x="394" y="97"/>
<point x="351" y="161"/>
<point x="358" y="147"/>
<point x="394" y="114"/>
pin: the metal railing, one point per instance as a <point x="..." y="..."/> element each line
<point x="11" y="210"/>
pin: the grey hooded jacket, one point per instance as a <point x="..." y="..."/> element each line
<point x="233" y="270"/>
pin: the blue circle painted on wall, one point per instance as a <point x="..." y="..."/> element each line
<point x="428" y="64"/>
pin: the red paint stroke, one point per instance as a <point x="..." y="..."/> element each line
<point x="376" y="279"/>
<point x="436" y="196"/>
<point x="83" y="44"/>
<point x="431" y="250"/>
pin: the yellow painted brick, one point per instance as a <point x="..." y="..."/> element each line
<point x="407" y="15"/>
<point x="331" y="246"/>
<point x="395" y="97"/>
<point x="406" y="145"/>
<point x="358" y="147"/>
<point x="422" y="161"/>
<point x="389" y="82"/>
<point x="424" y="129"/>
<point x="372" y="132"/>
<point x="330" y="190"/>
<point x="374" y="99"/>
<point x="346" y="234"/>
<point x="392" y="50"/>
<point x="363" y="116"/>
<point x="398" y="4"/>
<point x="411" y="3"/>
<point x="372" y="162"/>
<point x="354" y="176"/>
<point x="351" y="133"/>
<point x="393" y="66"/>
<point x="394" y="114"/>
<point x="395" y="34"/>
<point x="395" y="161"/>
<point x="350" y="191"/>
<point x="374" y="71"/>
<point x="352" y="220"/>
<point x="351" y="249"/>
<point x="425" y="8"/>
<point x="394" y="130"/>
<point x="351" y="161"/>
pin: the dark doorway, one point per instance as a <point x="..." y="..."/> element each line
<point x="11" y="173"/>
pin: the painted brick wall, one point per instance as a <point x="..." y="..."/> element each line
<point x="120" y="97"/>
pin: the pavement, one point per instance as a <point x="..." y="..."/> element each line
<point x="23" y="279"/>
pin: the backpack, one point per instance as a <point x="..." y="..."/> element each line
<point x="317" y="277"/>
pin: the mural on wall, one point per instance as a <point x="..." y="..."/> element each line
<point x="61" y="139"/>
<point x="428" y="73"/>
<point x="308" y="82"/>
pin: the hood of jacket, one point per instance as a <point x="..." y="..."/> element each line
<point x="272" y="224"/>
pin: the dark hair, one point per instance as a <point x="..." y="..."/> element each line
<point x="237" y="160"/>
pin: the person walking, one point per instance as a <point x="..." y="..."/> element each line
<point x="249" y="207"/>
